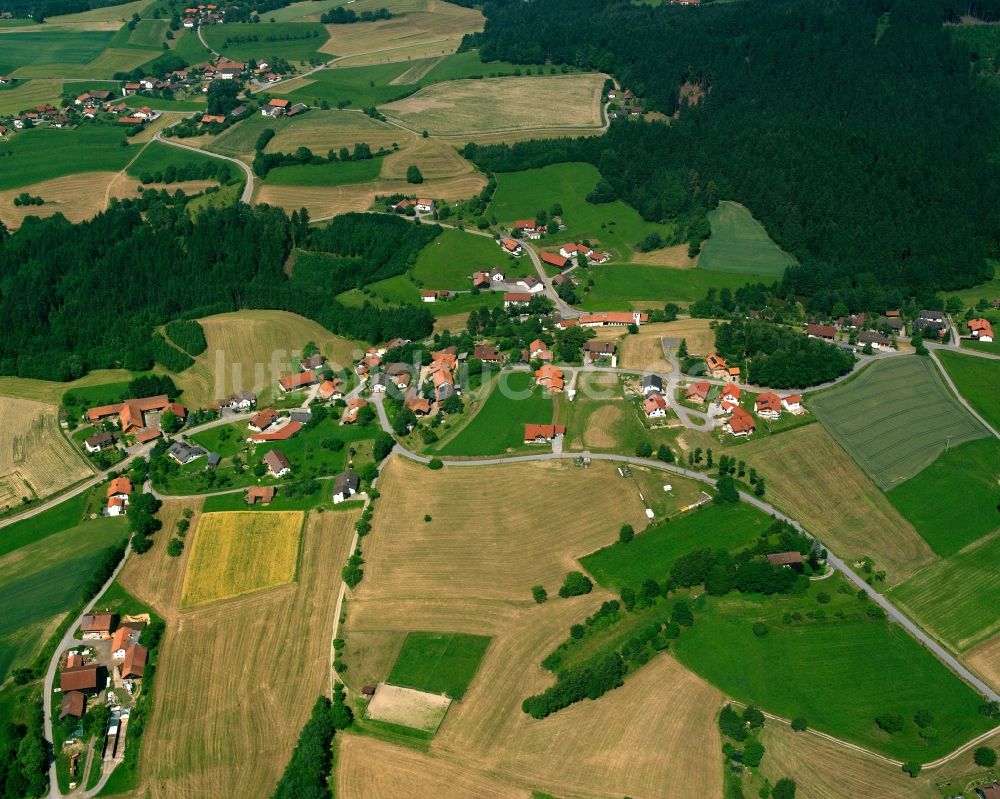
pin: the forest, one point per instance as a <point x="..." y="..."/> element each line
<point x="866" y="150"/>
<point x="86" y="296"/>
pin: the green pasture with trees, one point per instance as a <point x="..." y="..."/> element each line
<point x="449" y="261"/>
<point x="331" y="173"/>
<point x="618" y="286"/>
<point x="439" y="663"/>
<point x="293" y="41"/>
<point x="977" y="380"/>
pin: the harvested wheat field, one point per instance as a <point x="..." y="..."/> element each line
<point x="123" y="187"/>
<point x="159" y="578"/>
<point x="985" y="659"/>
<point x="481" y="551"/>
<point x="51" y="391"/>
<point x="437" y="30"/>
<point x="408" y="707"/>
<point x="668" y="257"/>
<point x="239" y="552"/>
<point x="321" y="131"/>
<point x="435" y="158"/>
<point x="323" y="202"/>
<point x="455" y="322"/>
<point x="601" y="425"/>
<point x="496" y="104"/>
<point x="825" y="770"/>
<point x="250" y="350"/>
<point x="812" y="479"/>
<point x="371" y="769"/>
<point x="77" y="197"/>
<point x="237" y="680"/>
<point x="36" y="459"/>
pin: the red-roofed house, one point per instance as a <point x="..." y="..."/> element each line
<point x="613" y="319"/>
<point x="514" y="299"/>
<point x="740" y="423"/>
<point x="542" y="433"/>
<point x="655" y="406"/>
<point x="767" y="405"/>
<point x="826" y="332"/>
<point x="552" y="259"/>
<point x="299" y="381"/>
<point x="550" y="376"/>
<point x="697" y="392"/>
<point x="574" y="250"/>
<point x="275" y="108"/>
<point x="793" y="403"/>
<point x="281" y="434"/>
<point x="528" y="228"/>
<point x="511" y="246"/>
<point x="981" y="330"/>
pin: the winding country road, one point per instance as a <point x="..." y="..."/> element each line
<point x="247" y="172"/>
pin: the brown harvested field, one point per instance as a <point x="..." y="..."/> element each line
<point x="470" y="570"/>
<point x="77" y="197"/>
<point x="434" y="31"/>
<point x="669" y="257"/>
<point x="985" y="659"/>
<point x="825" y="770"/>
<point x="455" y="322"/>
<point x="330" y="130"/>
<point x="372" y="769"/>
<point x="415" y="73"/>
<point x="601" y="424"/>
<point x="52" y="392"/>
<point x="408" y="707"/>
<point x="36" y="459"/>
<point x="250" y="350"/>
<point x="435" y="158"/>
<point x="323" y="202"/>
<point x="812" y="479"/>
<point x="496" y="104"/>
<point x="237" y="680"/>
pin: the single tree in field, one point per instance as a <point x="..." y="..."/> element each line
<point x="783" y="789"/>
<point x="626" y="533"/>
<point x="985" y="757"/>
<point x="413" y="174"/>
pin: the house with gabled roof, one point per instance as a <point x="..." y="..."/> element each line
<point x="345" y="486"/>
<point x="277" y="464"/>
<point x="767" y="405"/>
<point x="740" y="423"/>
<point x="551" y="377"/>
<point x="655" y="406"/>
<point x="298" y="382"/>
<point x="542" y="433"/>
<point x="698" y="392"/>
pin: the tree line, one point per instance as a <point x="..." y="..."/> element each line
<point x="880" y="177"/>
<point x="348" y="16"/>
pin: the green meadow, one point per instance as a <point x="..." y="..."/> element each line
<point x="451" y="258"/>
<point x="36" y="528"/>
<point x="439" y="663"/>
<point x="333" y="173"/>
<point x="159" y="156"/>
<point x="44" y="153"/>
<point x="149" y="33"/>
<point x="955" y="500"/>
<point x="652" y="553"/>
<point x="613" y="226"/>
<point x="51" y="47"/>
<point x="293" y="41"/>
<point x="498" y="426"/>
<point x="359" y="87"/>
<point x="739" y="243"/>
<point x="978" y="380"/>
<point x="956" y="598"/>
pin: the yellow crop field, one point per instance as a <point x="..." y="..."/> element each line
<point x="239" y="552"/>
<point x="29" y="94"/>
<point x="668" y="257"/>
<point x="250" y="350"/>
<point x="237" y="680"/>
<point x="812" y="479"/>
<point x="321" y="131"/>
<point x="435" y="158"/>
<point x="77" y="197"/>
<point x="51" y="391"/>
<point x="985" y="659"/>
<point x="36" y="460"/>
<point x="496" y="104"/>
<point x="109" y="18"/>
<point x="323" y="202"/>
<point x="436" y="30"/>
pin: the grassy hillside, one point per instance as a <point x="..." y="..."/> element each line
<point x="45" y="153"/>
<point x="739" y="243"/>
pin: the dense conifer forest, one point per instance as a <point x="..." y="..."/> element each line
<point x="87" y="296"/>
<point x="854" y="129"/>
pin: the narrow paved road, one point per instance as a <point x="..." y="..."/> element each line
<point x="893" y="613"/>
<point x="247" y="171"/>
<point x="958" y="395"/>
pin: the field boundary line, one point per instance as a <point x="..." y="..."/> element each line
<point x="954" y="390"/>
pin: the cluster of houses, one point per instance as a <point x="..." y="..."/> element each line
<point x="420" y="206"/>
<point x="89" y="105"/>
<point x="739" y="422"/>
<point x="210" y="14"/>
<point x="132" y="417"/>
<point x="626" y="104"/>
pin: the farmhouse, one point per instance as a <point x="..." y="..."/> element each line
<point x="282" y="433"/>
<point x="331" y="389"/>
<point x="717" y="366"/>
<point x="768" y="405"/>
<point x="243" y="401"/>
<point x="542" y="433"/>
<point x="98" y="441"/>
<point x="740" y="423"/>
<point x="97" y="625"/>
<point x="73" y="704"/>
<point x="793" y="403"/>
<point x="981" y="330"/>
<point x="614" y="319"/>
<point x="345" y="486"/>
<point x="487" y="353"/>
<point x="560" y="261"/>
<point x="277" y="464"/>
<point x="444" y="384"/>
<point x="444" y="359"/>
<point x="118" y="492"/>
<point x="262" y="494"/>
<point x="599" y="257"/>
<point x="540" y="350"/>
<point x="697" y="392"/>
<point x="511" y="247"/>
<point x="424" y="206"/>
<point x="135" y="662"/>
<point x="401" y="206"/>
<point x="351" y="413"/>
<point x="528" y="228"/>
<point x="575" y="250"/>
<point x="651" y="383"/>
<point x="298" y="382"/>
<point x="262" y="420"/>
<point x="275" y="108"/>
<point x="532" y="284"/>
<point x="131" y="413"/>
<point x="655" y="406"/>
<point x="729" y="397"/>
<point x="826" y="332"/>
<point x="183" y="453"/>
<point x="79" y="678"/>
<point x="789" y="559"/>
<point x="419" y="405"/>
<point x="123" y="638"/>
<point x="515" y="299"/>
<point x="878" y="341"/>
<point x="551" y="377"/>
<point x="595" y="350"/>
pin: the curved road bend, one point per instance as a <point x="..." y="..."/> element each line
<point x="891" y="611"/>
<point x="247" y="188"/>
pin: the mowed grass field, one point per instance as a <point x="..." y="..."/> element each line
<point x="439" y="663"/>
<point x="293" y="41"/>
<point x="470" y="570"/>
<point x="498" y="426"/>
<point x="450" y="259"/>
<point x="895" y="418"/>
<point x="239" y="552"/>
<point x="739" y="243"/>
<point x="45" y="153"/>
<point x="336" y="173"/>
<point x="654" y="551"/>
<point x="985" y="659"/>
<point x="812" y="479"/>
<point x="30" y="48"/>
<point x="955" y="500"/>
<point x="29" y="94"/>
<point x="258" y="662"/>
<point x="956" y="598"/>
<point x="838" y="674"/>
<point x="614" y="226"/>
<point x="318" y="130"/>
<point x="976" y="379"/>
<point x="462" y="107"/>
<point x="78" y="197"/>
<point x="36" y="460"/>
<point x="250" y="350"/>
<point x="41" y="581"/>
